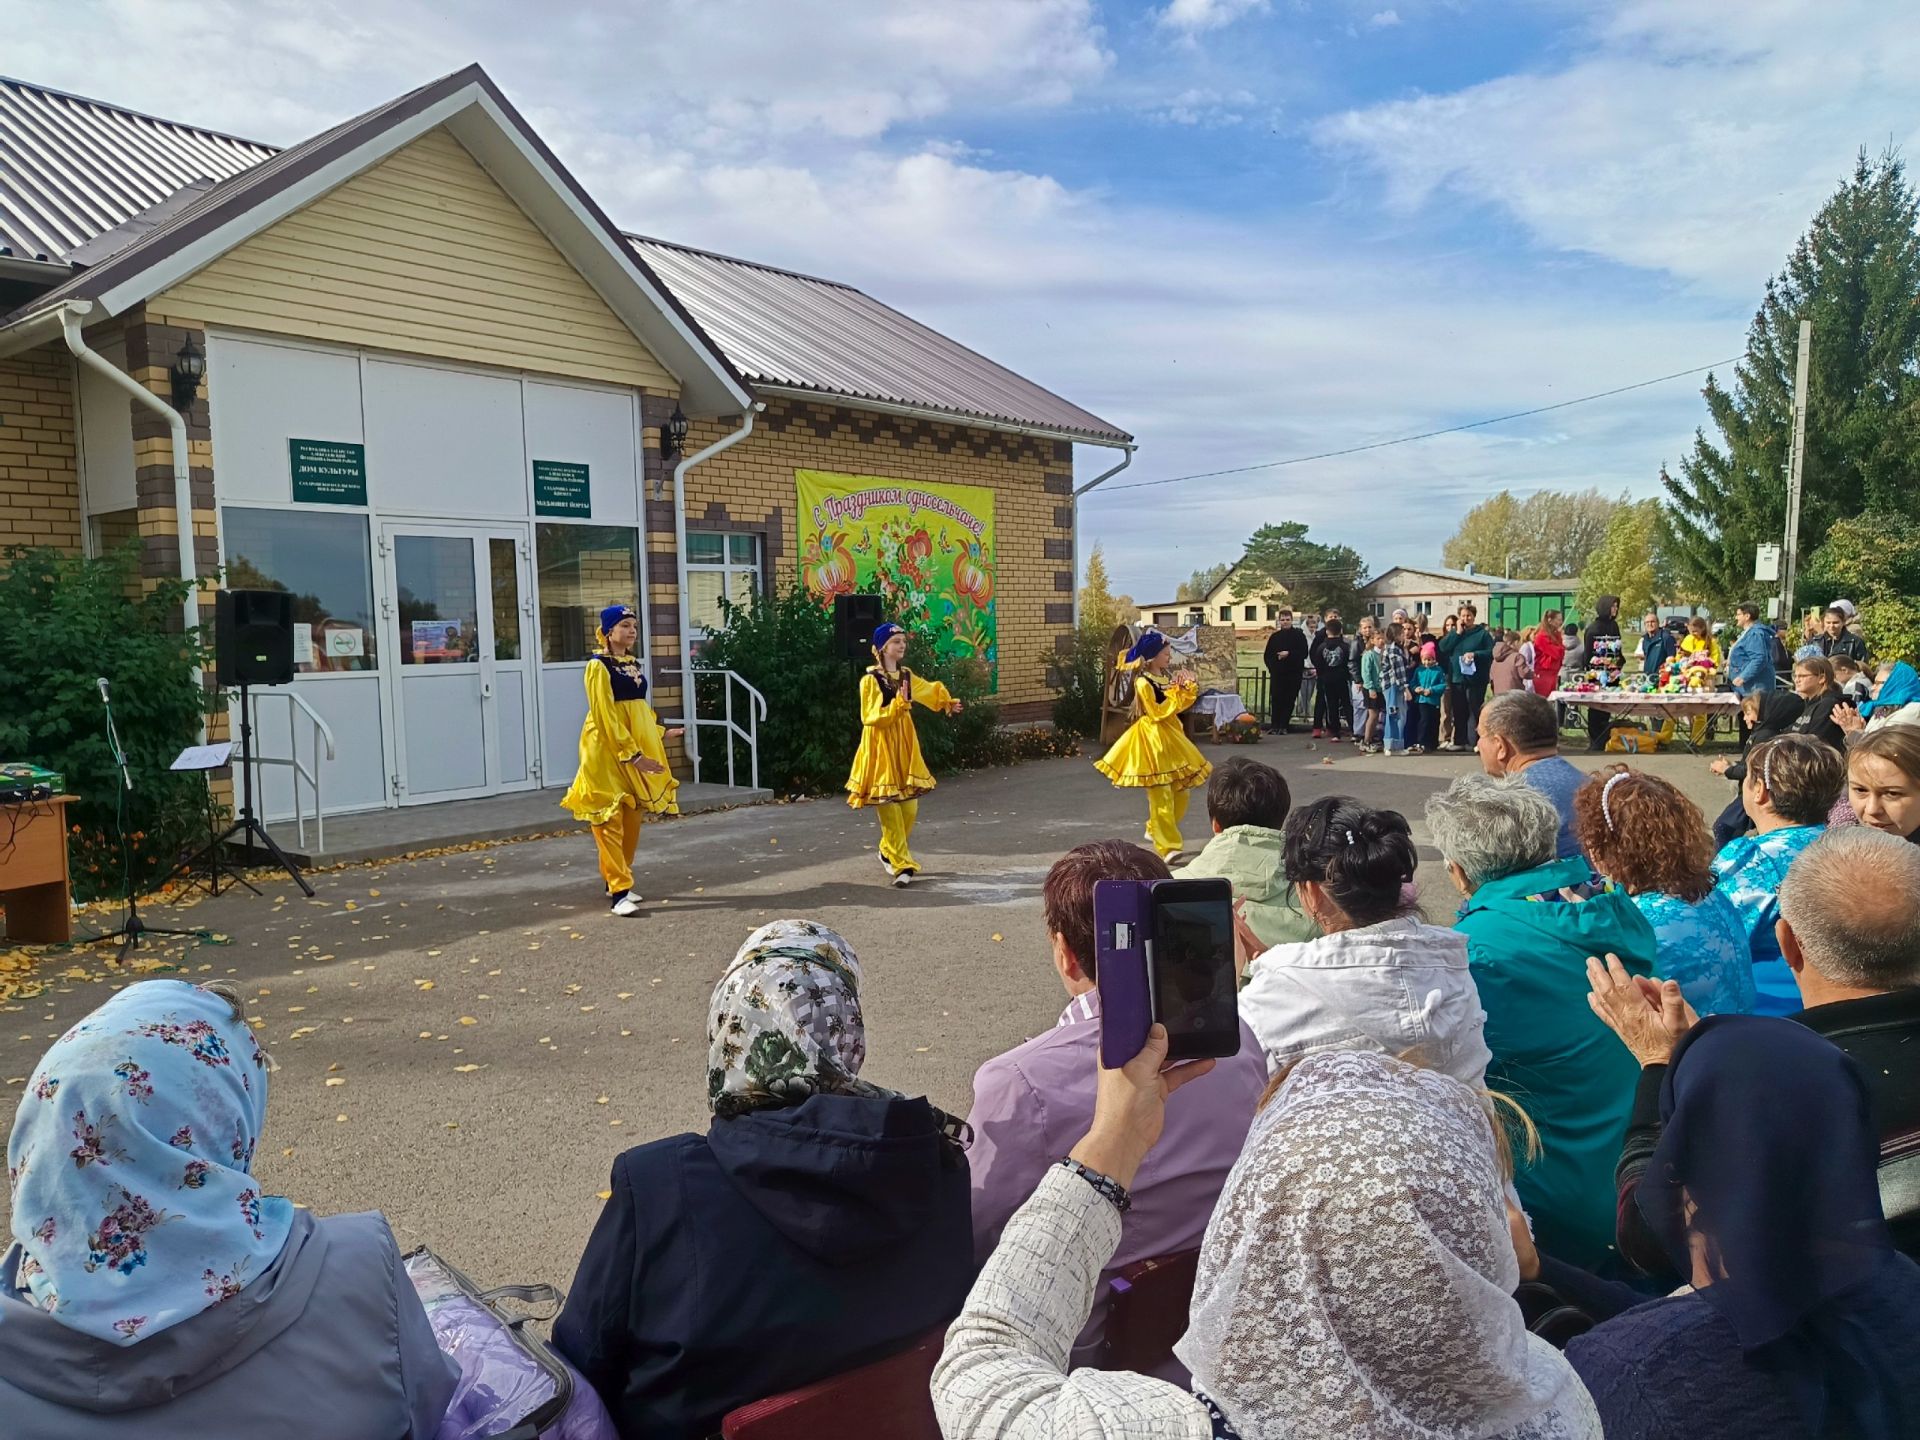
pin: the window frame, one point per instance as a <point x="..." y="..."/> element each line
<point x="695" y="633"/>
<point x="361" y="513"/>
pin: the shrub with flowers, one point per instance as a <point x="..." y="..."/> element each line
<point x="64" y="620"/>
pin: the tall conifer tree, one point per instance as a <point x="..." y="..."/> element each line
<point x="1856" y="275"/>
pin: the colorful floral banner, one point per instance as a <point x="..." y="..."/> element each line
<point x="926" y="549"/>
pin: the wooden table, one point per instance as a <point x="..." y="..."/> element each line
<point x="34" y="884"/>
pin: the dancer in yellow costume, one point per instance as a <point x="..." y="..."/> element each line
<point x="888" y="771"/>
<point x="623" y="771"/>
<point x="1155" y="754"/>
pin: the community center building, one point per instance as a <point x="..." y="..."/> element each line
<point x="410" y="372"/>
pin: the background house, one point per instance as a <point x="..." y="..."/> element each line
<point x="1249" y="616"/>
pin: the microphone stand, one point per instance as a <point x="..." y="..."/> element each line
<point x="130" y="932"/>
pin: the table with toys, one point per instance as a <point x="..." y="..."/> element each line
<point x="1687" y="687"/>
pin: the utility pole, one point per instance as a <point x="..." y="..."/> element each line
<point x="1796" y="474"/>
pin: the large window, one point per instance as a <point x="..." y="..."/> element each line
<point x="322" y="559"/>
<point x="583" y="569"/>
<point x="719" y="566"/>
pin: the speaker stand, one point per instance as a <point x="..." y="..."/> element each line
<point x="246" y="824"/>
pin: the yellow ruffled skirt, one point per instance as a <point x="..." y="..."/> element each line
<point x="888" y="766"/>
<point x="1155" y="752"/>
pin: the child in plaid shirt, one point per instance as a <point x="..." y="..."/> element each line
<point x="1393" y="683"/>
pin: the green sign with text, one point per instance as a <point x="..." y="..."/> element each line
<point x="328" y="472"/>
<point x="560" y="488"/>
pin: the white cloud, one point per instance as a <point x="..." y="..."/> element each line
<point x="1383" y="20"/>
<point x="1195" y="16"/>
<point x="1687" y="136"/>
<point x="1216" y="339"/>
<point x="1205" y="108"/>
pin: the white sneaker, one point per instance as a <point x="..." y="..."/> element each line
<point x="901" y="878"/>
<point x="628" y="904"/>
<point x="887" y="865"/>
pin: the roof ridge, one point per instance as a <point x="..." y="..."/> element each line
<point x="750" y="264"/>
<point x="128" y="110"/>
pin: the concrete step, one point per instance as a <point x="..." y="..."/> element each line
<point x="383" y="834"/>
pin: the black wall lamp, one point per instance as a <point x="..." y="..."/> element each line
<point x="673" y="436"/>
<point x="189" y="365"/>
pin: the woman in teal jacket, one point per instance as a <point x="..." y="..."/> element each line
<point x="1531" y="921"/>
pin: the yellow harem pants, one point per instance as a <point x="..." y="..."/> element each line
<point x="1166" y="808"/>
<point x="896" y="824"/>
<point x="616" y="841"/>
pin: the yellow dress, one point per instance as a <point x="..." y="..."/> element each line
<point x="619" y="725"/>
<point x="888" y="766"/>
<point x="1155" y="751"/>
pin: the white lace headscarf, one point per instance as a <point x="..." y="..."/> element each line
<point x="1357" y="1277"/>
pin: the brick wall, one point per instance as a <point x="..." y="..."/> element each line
<point x="39" y="470"/>
<point x="150" y="351"/>
<point x="751" y="487"/>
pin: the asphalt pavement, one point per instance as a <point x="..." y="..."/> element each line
<point x="465" y="1041"/>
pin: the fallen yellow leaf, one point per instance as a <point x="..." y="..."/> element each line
<point x="600" y="1100"/>
<point x="465" y="1069"/>
<point x="468" y="1020"/>
<point x="604" y="1194"/>
<point x="336" y="1080"/>
<point x="423" y="984"/>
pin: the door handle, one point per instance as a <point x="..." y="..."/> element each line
<point x="486" y="690"/>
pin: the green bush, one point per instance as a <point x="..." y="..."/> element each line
<point x="782" y="645"/>
<point x="63" y="621"/>
<point x="1077" y="708"/>
<point x="1874" y="560"/>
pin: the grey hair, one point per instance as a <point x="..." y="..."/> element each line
<point x="1491" y="828"/>
<point x="1852" y="899"/>
<point x="1523" y="719"/>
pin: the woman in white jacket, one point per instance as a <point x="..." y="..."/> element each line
<point x="1378" y="978"/>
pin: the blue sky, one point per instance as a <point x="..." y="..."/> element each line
<point x="1241" y="229"/>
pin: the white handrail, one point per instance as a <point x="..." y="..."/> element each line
<point x="323" y="747"/>
<point x="756" y="708"/>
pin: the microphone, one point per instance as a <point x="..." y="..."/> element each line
<point x="102" y="683"/>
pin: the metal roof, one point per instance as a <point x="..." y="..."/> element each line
<point x="105" y="190"/>
<point x="72" y="169"/>
<point x="782" y="328"/>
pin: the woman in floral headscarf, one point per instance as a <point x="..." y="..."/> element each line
<point x="153" y="1288"/>
<point x="821" y="1222"/>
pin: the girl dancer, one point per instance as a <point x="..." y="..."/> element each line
<point x="1155" y="754"/>
<point x="623" y="770"/>
<point x="888" y="771"/>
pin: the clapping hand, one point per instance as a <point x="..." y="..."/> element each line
<point x="1847" y="717"/>
<point x="1649" y="1016"/>
<point x="1719" y="767"/>
<point x="1183" y="677"/>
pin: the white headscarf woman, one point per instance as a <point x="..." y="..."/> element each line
<point x="1356" y="1280"/>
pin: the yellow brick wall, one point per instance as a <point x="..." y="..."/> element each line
<point x="39" y="469"/>
<point x="753" y="484"/>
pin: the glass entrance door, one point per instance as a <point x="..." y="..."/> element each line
<point x="463" y="707"/>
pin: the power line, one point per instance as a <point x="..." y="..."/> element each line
<point x="1423" y="435"/>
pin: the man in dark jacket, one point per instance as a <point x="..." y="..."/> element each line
<point x="1286" y="657"/>
<point x="1467" y="652"/>
<point x="1332" y="656"/>
<point x="1603" y="654"/>
<point x="1658" y="645"/>
<point x="1849" y="928"/>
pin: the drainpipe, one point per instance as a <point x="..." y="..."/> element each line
<point x="686" y="463"/>
<point x="71" y="313"/>
<point x="1073" y="502"/>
